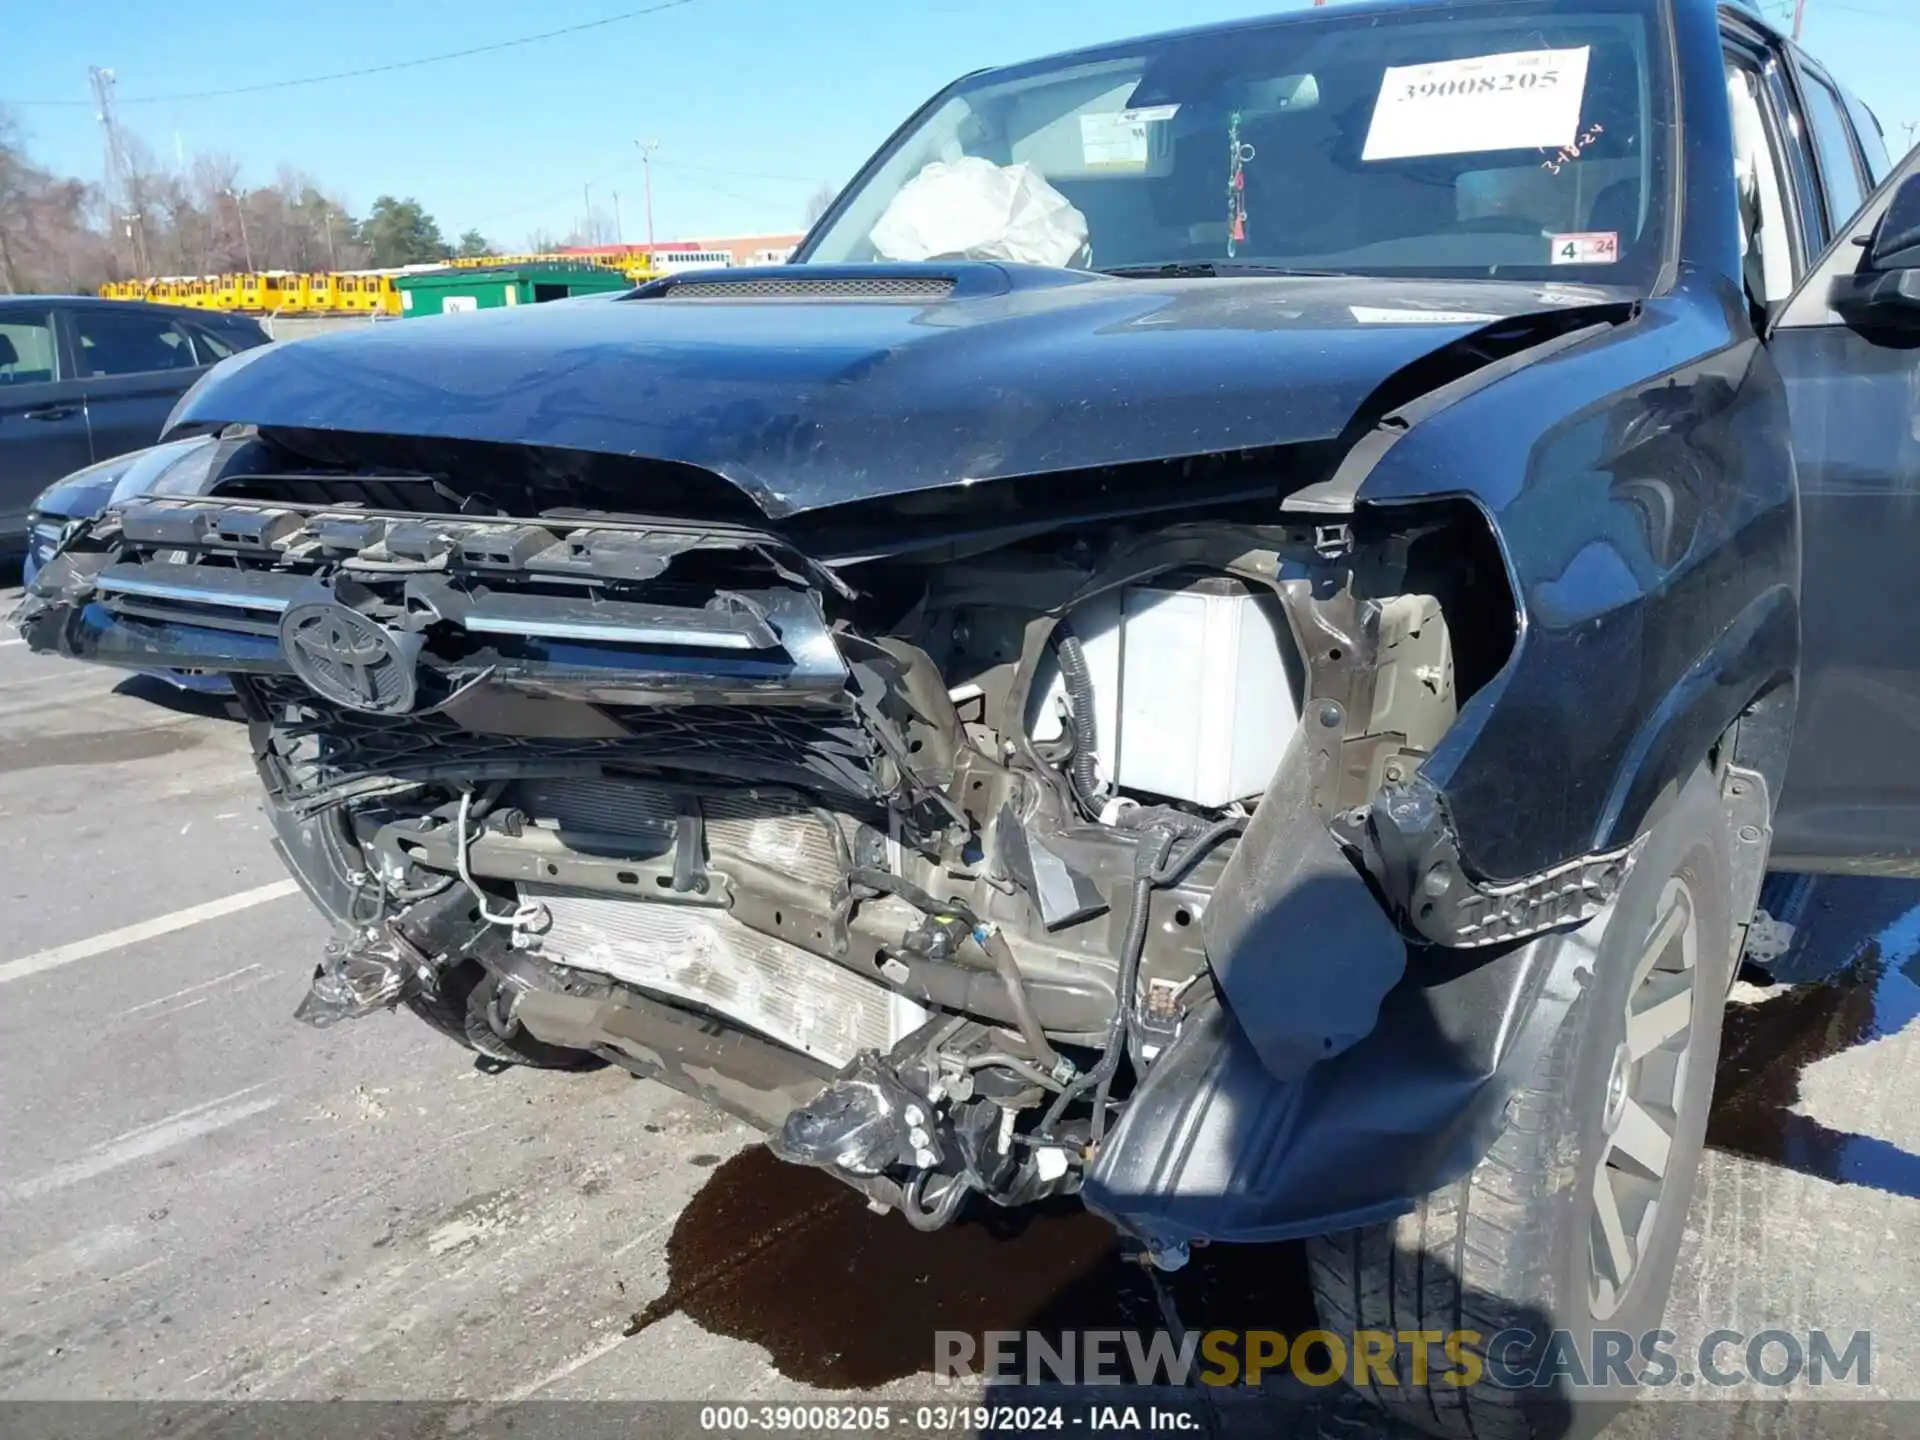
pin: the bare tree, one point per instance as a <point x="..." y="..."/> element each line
<point x="46" y="241"/>
<point x="819" y="203"/>
<point x="595" y="228"/>
<point x="58" y="232"/>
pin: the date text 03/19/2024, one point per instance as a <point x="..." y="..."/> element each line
<point x="942" y="1419"/>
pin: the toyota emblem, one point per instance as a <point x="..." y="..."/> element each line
<point x="348" y="658"/>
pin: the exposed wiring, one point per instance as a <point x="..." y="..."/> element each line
<point x="1151" y="857"/>
<point x="1175" y="870"/>
<point x="988" y="937"/>
<point x="527" y="915"/>
<point x="1155" y="866"/>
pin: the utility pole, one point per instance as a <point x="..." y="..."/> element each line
<point x="587" y="232"/>
<point x="326" y="214"/>
<point x="647" y="147"/>
<point x="118" y="179"/>
<point x="240" y="209"/>
<point x="619" y="230"/>
<point x="1799" y="17"/>
<point x="1910" y="126"/>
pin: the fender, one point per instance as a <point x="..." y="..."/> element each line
<point x="1215" y="1146"/>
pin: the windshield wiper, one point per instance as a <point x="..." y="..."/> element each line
<point x="1206" y="269"/>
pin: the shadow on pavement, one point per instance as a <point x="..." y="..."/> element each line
<point x="156" y="691"/>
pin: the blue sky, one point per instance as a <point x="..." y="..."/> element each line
<point x="754" y="103"/>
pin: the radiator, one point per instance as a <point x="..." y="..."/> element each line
<point x="771" y="827"/>
<point x="709" y="958"/>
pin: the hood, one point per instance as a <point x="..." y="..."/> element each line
<point x="810" y="386"/>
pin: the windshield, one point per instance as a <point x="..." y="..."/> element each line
<point x="1521" y="140"/>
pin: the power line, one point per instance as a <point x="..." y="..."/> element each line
<point x="1870" y="12"/>
<point x="387" y="68"/>
<point x="629" y="164"/>
<point x="742" y="174"/>
<point x="556" y="197"/>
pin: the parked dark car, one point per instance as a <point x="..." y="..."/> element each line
<point x="1235" y="637"/>
<point x="84" y="380"/>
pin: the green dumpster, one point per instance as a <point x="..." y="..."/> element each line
<point x="444" y="292"/>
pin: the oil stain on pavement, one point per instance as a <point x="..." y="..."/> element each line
<point x="1857" y="957"/>
<point x="765" y="1249"/>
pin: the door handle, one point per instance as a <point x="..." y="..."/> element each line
<point x="51" y="412"/>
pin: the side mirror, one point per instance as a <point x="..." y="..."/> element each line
<point x="1896" y="241"/>
<point x="1884" y="293"/>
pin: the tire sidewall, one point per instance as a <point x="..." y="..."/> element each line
<point x="1694" y="842"/>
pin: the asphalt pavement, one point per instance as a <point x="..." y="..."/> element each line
<point x="202" y="1199"/>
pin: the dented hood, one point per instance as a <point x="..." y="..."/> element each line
<point x="805" y="402"/>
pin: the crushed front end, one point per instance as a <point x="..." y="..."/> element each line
<point x="924" y="859"/>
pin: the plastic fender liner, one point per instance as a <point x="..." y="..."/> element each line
<point x="1300" y="947"/>
<point x="1214" y="1146"/>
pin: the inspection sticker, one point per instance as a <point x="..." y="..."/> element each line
<point x="1517" y="101"/>
<point x="1117" y="139"/>
<point x="1594" y="247"/>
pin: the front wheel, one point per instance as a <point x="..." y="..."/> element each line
<point x="1572" y="1223"/>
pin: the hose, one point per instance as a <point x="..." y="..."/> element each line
<point x="1083" y="772"/>
<point x="1000" y="1060"/>
<point x="942" y="1211"/>
<point x="989" y="938"/>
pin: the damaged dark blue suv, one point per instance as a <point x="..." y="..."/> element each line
<point x="1234" y="637"/>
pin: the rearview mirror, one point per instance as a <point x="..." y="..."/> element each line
<point x="1884" y="293"/>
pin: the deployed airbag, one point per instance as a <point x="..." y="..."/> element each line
<point x="975" y="209"/>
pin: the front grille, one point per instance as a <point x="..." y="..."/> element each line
<point x="874" y="287"/>
<point x="329" y="747"/>
<point x="710" y="959"/>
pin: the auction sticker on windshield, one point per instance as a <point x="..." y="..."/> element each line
<point x="1599" y="247"/>
<point x="1119" y="139"/>
<point x="1517" y="101"/>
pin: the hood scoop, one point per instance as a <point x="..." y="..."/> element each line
<point x="898" y="282"/>
<point x="751" y="286"/>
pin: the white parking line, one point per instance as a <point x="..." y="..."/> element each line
<point x="579" y="1362"/>
<point x="5" y="643"/>
<point x="203" y="985"/>
<point x="145" y="930"/>
<point x="138" y="1144"/>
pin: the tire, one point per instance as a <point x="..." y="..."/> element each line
<point x="461" y="1009"/>
<point x="1516" y="1245"/>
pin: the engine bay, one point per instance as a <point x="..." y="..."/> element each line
<point x="911" y="852"/>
